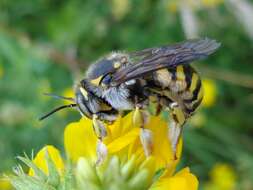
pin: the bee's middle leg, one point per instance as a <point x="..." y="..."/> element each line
<point x="176" y="125"/>
<point x="140" y="117"/>
<point x="101" y="133"/>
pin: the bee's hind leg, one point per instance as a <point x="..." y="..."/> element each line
<point x="176" y="125"/>
<point x="101" y="133"/>
<point x="159" y="106"/>
<point x="140" y="117"/>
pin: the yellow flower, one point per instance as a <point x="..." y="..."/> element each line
<point x="162" y="151"/>
<point x="210" y="92"/>
<point x="122" y="137"/>
<point x="123" y="141"/>
<point x="172" y="6"/>
<point x="40" y="159"/>
<point x="80" y="140"/>
<point x="211" y="3"/>
<point x="126" y="166"/>
<point x="183" y="180"/>
<point x="222" y="176"/>
<point x="5" y="184"/>
<point x="120" y="8"/>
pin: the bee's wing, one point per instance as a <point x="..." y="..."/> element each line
<point x="149" y="60"/>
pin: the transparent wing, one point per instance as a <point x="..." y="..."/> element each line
<point x="152" y="59"/>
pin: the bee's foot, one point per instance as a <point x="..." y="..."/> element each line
<point x="173" y="105"/>
<point x="175" y="156"/>
<point x="99" y="127"/>
<point x="146" y="138"/>
<point x="140" y="117"/>
<point x="102" y="152"/>
<point x="175" y="131"/>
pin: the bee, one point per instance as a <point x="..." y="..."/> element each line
<point x="122" y="81"/>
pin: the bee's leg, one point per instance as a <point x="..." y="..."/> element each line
<point x="139" y="119"/>
<point x="101" y="133"/>
<point x="176" y="125"/>
<point x="159" y="106"/>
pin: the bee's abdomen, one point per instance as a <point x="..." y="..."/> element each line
<point x="193" y="94"/>
<point x="181" y="84"/>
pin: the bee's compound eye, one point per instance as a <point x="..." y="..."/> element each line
<point x="106" y="80"/>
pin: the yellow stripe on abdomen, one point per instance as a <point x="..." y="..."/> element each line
<point x="194" y="82"/>
<point x="180" y="73"/>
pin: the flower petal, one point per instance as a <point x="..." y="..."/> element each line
<point x="123" y="141"/>
<point x="5" y="183"/>
<point x="80" y="140"/>
<point x="162" y="151"/>
<point x="121" y="134"/>
<point x="183" y="180"/>
<point x="222" y="176"/>
<point x="119" y="127"/>
<point x="162" y="147"/>
<point x="40" y="159"/>
<point x="210" y="93"/>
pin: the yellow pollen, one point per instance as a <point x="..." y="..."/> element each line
<point x="194" y="82"/>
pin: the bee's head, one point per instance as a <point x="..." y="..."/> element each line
<point x="84" y="99"/>
<point x="100" y="73"/>
<point x="98" y="78"/>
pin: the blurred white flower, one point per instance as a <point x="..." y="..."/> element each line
<point x="189" y="20"/>
<point x="12" y="113"/>
<point x="243" y="11"/>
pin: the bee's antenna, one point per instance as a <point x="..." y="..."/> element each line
<point x="57" y="109"/>
<point x="59" y="97"/>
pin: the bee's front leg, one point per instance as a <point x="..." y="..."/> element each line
<point x="140" y="117"/>
<point x="176" y="125"/>
<point x="101" y="133"/>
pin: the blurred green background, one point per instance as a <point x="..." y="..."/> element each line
<point x="46" y="46"/>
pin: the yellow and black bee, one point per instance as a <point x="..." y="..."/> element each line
<point x="131" y="81"/>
